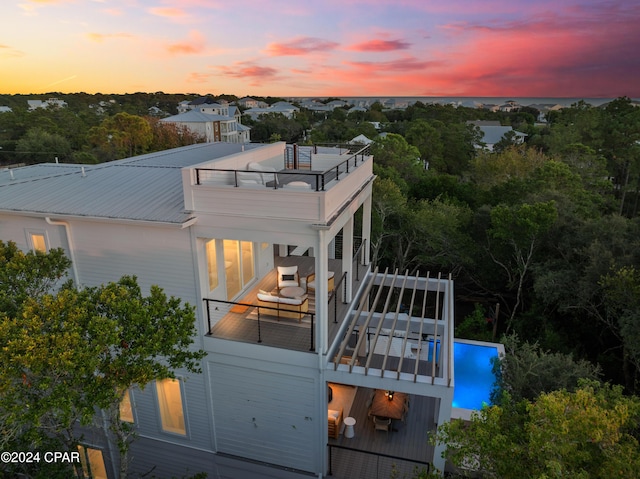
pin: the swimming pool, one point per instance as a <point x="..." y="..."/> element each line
<point x="474" y="377"/>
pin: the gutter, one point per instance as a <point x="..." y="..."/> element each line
<point x="67" y="228"/>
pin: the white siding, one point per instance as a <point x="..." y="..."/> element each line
<point x="196" y="413"/>
<point x="266" y="416"/>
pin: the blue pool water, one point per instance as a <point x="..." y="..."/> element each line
<point x="473" y="375"/>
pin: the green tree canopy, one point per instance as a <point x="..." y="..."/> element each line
<point x="67" y="352"/>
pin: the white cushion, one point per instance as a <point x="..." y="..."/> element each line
<point x="295" y="301"/>
<point x="268" y="297"/>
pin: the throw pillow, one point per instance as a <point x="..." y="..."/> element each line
<point x="288" y="277"/>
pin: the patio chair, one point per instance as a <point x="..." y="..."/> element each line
<point x="288" y="276"/>
<point x="382" y="424"/>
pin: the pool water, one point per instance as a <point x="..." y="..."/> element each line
<point x="474" y="377"/>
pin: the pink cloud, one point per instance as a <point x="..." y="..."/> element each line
<point x="194" y="44"/>
<point x="401" y="64"/>
<point x="548" y="55"/>
<point x="300" y="46"/>
<point x="168" y="12"/>
<point x="249" y="70"/>
<point x="380" y="46"/>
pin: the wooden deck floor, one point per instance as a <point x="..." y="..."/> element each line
<point x="407" y="440"/>
<point x="284" y="333"/>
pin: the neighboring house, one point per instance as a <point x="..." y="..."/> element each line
<point x="360" y="140"/>
<point x="287" y="371"/>
<point x="493" y="132"/>
<point x="5" y="109"/>
<point x="281" y="107"/>
<point x="51" y="102"/>
<point x="248" y="102"/>
<point x="510" y="105"/>
<point x="214" y="121"/>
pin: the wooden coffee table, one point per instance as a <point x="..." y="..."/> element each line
<point x="292" y="292"/>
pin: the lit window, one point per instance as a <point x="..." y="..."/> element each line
<point x="92" y="463"/>
<point x="239" y="265"/>
<point x="38" y="242"/>
<point x="212" y="264"/>
<point x="170" y="403"/>
<point x="126" y="411"/>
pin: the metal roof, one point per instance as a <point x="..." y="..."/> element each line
<point x="144" y="188"/>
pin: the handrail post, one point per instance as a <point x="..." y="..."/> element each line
<point x="259" y="333"/>
<point x="313" y="346"/>
<point x="206" y="301"/>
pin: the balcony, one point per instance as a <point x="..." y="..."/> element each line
<point x="242" y="320"/>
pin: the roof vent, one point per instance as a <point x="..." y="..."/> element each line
<point x="83" y="172"/>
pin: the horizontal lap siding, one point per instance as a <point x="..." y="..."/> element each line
<point x="156" y="255"/>
<point x="196" y="408"/>
<point x="265" y="416"/>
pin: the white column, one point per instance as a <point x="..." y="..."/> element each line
<point x="347" y="259"/>
<point x="322" y="293"/>
<point x="366" y="230"/>
<point x="443" y="415"/>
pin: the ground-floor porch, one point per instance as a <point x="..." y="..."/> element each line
<point x="377" y="453"/>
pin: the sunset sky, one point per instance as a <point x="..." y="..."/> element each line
<point x="517" y="48"/>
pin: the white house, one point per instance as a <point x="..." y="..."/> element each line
<point x="298" y="359"/>
<point x="214" y="121"/>
<point x="282" y="107"/>
<point x="51" y="102"/>
<point x="493" y="132"/>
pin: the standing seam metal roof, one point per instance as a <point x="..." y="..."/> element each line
<point x="145" y="188"/>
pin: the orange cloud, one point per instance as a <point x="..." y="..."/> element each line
<point x="300" y="46"/>
<point x="101" y="37"/>
<point x="9" y="52"/>
<point x="194" y="45"/>
<point x="380" y="46"/>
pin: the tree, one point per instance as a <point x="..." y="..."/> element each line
<point x="123" y="135"/>
<point x="526" y="371"/>
<point x="427" y="139"/>
<point x="38" y="145"/>
<point x="68" y="352"/>
<point x="622" y="300"/>
<point x="28" y="275"/>
<point x="588" y="433"/>
<point x="519" y="229"/>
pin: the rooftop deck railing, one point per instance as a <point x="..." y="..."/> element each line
<point x="318" y="180"/>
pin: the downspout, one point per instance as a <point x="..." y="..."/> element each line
<point x="67" y="229"/>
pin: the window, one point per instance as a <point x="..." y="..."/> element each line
<point x="239" y="267"/>
<point x="212" y="264"/>
<point x="92" y="463"/>
<point x="37" y="241"/>
<point x="126" y="410"/>
<point x="170" y="403"/>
